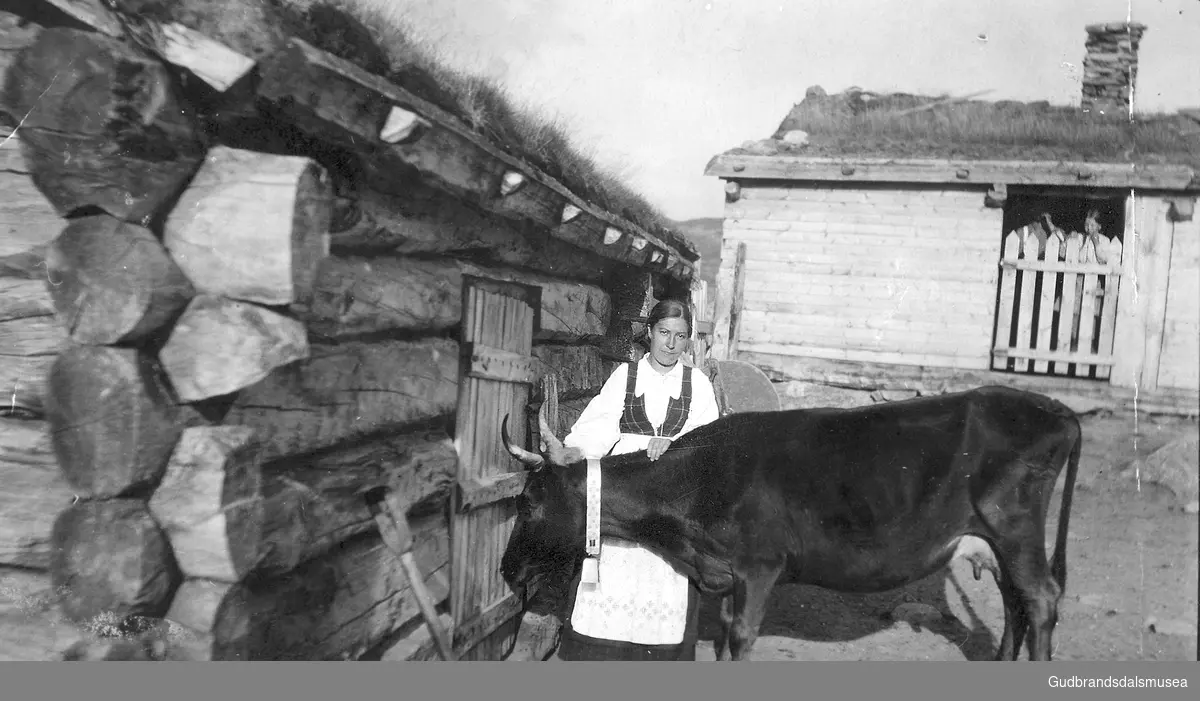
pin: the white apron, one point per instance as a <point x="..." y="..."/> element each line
<point x="640" y="598"/>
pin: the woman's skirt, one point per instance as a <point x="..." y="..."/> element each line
<point x="574" y="646"/>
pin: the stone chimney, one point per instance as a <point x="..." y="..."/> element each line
<point x="1110" y="67"/>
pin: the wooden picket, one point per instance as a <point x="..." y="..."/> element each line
<point x="1068" y="325"/>
<point x="1045" y="323"/>
<point x="1057" y="304"/>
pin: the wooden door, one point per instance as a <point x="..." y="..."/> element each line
<point x="496" y="375"/>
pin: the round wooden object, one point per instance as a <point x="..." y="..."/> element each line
<point x="220" y="345"/>
<point x="112" y="560"/>
<point x="101" y="124"/>
<point x="212" y="489"/>
<point x="742" y="387"/>
<point x="113" y="422"/>
<point x="253" y="226"/>
<point x="113" y="282"/>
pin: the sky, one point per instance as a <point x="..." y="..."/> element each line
<point x="655" y="88"/>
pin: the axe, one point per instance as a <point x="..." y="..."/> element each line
<point x="390" y="516"/>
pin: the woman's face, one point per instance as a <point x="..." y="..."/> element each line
<point x="667" y="341"/>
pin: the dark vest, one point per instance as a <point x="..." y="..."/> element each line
<point x="634" y="420"/>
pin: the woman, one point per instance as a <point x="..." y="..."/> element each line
<point x="642" y="608"/>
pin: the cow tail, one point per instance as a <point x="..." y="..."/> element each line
<point x="1058" y="567"/>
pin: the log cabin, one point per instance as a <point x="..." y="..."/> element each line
<point x="260" y="258"/>
<point x="881" y="246"/>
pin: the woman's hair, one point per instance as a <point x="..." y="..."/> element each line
<point x="666" y="309"/>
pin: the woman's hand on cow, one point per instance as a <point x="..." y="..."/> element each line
<point x="657" y="447"/>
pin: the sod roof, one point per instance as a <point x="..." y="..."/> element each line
<point x="862" y="124"/>
<point x="381" y="44"/>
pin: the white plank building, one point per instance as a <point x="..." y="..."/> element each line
<point x="910" y="244"/>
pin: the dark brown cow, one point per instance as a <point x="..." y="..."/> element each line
<point x="866" y="499"/>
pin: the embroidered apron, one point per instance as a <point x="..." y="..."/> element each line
<point x="640" y="598"/>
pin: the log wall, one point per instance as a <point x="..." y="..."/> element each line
<point x="29" y="334"/>
<point x="213" y="370"/>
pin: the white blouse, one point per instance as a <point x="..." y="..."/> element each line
<point x="597" y="429"/>
<point x="640" y="597"/>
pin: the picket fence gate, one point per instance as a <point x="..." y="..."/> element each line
<point x="1057" y="303"/>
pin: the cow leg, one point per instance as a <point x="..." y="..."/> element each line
<point x="1042" y="607"/>
<point x="750" y="596"/>
<point x="1014" y="620"/>
<point x="1037" y="596"/>
<point x="721" y="644"/>
<point x="983" y="556"/>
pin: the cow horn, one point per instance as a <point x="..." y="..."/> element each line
<point x="532" y="460"/>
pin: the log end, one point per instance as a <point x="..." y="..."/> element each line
<point x="113" y="423"/>
<point x="253" y="226"/>
<point x="221" y="345"/>
<point x="113" y="282"/>
<point x="210" y="504"/>
<point x="130" y="143"/>
<point x="111" y="560"/>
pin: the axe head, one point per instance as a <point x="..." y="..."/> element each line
<point x="390" y="514"/>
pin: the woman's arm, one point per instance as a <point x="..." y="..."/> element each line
<point x="598" y="428"/>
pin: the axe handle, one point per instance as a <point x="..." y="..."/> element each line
<point x="441" y="637"/>
<point x="393" y="527"/>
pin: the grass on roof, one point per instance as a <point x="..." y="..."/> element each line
<point x="988" y="130"/>
<point x="416" y="64"/>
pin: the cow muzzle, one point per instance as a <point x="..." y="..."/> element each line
<point x="515" y="566"/>
<point x="515" y="576"/>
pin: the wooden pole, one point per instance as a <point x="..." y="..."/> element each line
<point x="360" y="294"/>
<point x="423" y="220"/>
<point x="730" y="283"/>
<point x="701" y="325"/>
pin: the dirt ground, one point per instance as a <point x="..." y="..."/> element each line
<point x="1132" y="558"/>
<point x="1132" y="566"/>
